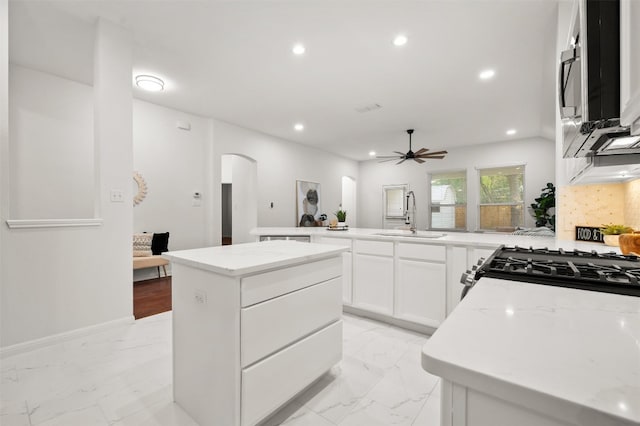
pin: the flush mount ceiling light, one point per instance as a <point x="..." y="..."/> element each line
<point x="487" y="74"/>
<point x="400" y="40"/>
<point x="511" y="132"/>
<point x="150" y="83"/>
<point x="372" y="153"/>
<point x="299" y="127"/>
<point x="418" y="156"/>
<point x="298" y="49"/>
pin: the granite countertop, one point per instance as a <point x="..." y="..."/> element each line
<point x="571" y="353"/>
<point x="477" y="239"/>
<point x="244" y="259"/>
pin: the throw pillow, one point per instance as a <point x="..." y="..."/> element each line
<point x="142" y="245"/>
<point x="160" y="243"/>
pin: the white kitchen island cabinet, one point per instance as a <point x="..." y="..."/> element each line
<point x="253" y="325"/>
<point x="525" y="354"/>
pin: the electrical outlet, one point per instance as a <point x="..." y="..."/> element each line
<point x="117" y="196"/>
<point x="201" y="297"/>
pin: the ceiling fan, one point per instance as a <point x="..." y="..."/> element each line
<point x="418" y="156"/>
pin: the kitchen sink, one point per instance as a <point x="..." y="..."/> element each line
<point x="404" y="233"/>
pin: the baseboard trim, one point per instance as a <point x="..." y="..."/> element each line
<point x="420" y="328"/>
<point x="30" y="345"/>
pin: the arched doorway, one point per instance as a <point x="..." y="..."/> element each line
<point x="239" y="180"/>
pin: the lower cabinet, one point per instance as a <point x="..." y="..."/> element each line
<point x="347" y="288"/>
<point x="373" y="283"/>
<point x="421" y="292"/>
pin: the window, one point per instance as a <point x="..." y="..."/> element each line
<point x="502" y="198"/>
<point x="448" y="208"/>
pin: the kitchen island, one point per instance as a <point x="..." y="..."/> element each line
<point x="253" y="325"/>
<point x="411" y="281"/>
<point x="524" y="354"/>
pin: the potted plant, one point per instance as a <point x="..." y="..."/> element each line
<point x="543" y="205"/>
<point x="342" y="217"/>
<point x="612" y="233"/>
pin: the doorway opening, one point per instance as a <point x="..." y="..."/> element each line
<point x="239" y="203"/>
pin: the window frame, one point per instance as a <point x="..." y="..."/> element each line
<point x="465" y="204"/>
<point x="479" y="193"/>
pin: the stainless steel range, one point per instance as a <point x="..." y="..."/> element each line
<point x="585" y="270"/>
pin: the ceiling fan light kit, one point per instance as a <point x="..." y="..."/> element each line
<point x="418" y="156"/>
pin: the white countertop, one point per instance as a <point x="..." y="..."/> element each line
<point x="477" y="239"/>
<point x="243" y="259"/>
<point x="549" y="348"/>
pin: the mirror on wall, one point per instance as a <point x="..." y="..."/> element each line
<point x="393" y="201"/>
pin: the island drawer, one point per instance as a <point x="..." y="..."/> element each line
<point x="436" y="253"/>
<point x="379" y="248"/>
<point x="269" y="326"/>
<point x="260" y="287"/>
<point x="272" y="382"/>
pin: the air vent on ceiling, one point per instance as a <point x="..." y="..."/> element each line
<point x="370" y="107"/>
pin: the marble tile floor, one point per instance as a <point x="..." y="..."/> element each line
<point x="122" y="377"/>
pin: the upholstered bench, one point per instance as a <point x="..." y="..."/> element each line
<point x="150" y="262"/>
<point x="147" y="249"/>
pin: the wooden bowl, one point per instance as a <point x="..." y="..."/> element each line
<point x="630" y="243"/>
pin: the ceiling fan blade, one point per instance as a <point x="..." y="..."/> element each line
<point x="431" y="157"/>
<point x="398" y="152"/>
<point x="388" y="159"/>
<point x="421" y="151"/>
<point x="436" y="153"/>
<point x="419" y="160"/>
<point x="390" y="156"/>
<point x="401" y="161"/>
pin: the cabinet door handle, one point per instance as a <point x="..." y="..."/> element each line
<point x="567" y="57"/>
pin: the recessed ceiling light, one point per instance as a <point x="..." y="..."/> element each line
<point x="400" y="40"/>
<point x="511" y="132"/>
<point x="372" y="153"/>
<point x="298" y="49"/>
<point x="149" y="82"/>
<point x="487" y="74"/>
<point x="299" y="127"/>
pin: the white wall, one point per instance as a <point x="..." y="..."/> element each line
<point x="51" y="121"/>
<point x="244" y="200"/>
<point x="54" y="280"/>
<point x="349" y="199"/>
<point x="172" y="162"/>
<point x="279" y="164"/>
<point x="536" y="154"/>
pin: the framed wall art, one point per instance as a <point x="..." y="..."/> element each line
<point x="308" y="203"/>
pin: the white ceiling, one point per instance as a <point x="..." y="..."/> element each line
<point x="232" y="60"/>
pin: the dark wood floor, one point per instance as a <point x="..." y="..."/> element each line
<point x="151" y="297"/>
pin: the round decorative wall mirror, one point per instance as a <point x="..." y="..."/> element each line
<point x="139" y="189"/>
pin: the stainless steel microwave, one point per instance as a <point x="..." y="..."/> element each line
<point x="589" y="84"/>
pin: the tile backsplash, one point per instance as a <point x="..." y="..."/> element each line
<point x="632" y="204"/>
<point x="595" y="205"/>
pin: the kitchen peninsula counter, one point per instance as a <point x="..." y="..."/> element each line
<point x="476" y="239"/>
<point x="412" y="281"/>
<point x="253" y="325"/>
<point x="528" y="354"/>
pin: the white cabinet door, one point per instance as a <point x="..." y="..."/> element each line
<point x="347" y="281"/>
<point x="373" y="283"/>
<point x="421" y="292"/>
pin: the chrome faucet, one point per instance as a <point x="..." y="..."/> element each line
<point x="410" y="218"/>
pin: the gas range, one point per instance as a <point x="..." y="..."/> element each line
<point x="585" y="270"/>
